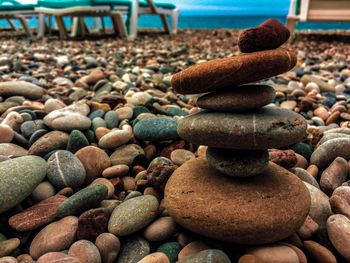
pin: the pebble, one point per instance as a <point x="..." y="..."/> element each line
<point x="156" y="257"/>
<point x="192" y="248"/>
<point x="38" y="215"/>
<point x="92" y="223"/>
<point x="116" y="137"/>
<point x="156" y="129"/>
<point x="77" y="140"/>
<point x="161" y="229"/>
<point x="55" y="237"/>
<point x="6" y="134"/>
<point x="180" y="156"/>
<point x="171" y="249"/>
<point x="133" y="215"/>
<point x="18" y="179"/>
<point x="115" y="171"/>
<point x="21" y="88"/>
<point x="109" y="247"/>
<point x="82" y="200"/>
<point x="127" y="154"/>
<point x="43" y="191"/>
<point x="133" y="250"/>
<point x="318" y="252"/>
<point x="210" y="255"/>
<point x="236" y="70"/>
<point x="206" y="128"/>
<point x="94" y="160"/>
<point x="64" y="169"/>
<point x="57" y="257"/>
<point x="85" y="251"/>
<point x="275" y="253"/>
<point x="51" y="141"/>
<point x="196" y="180"/>
<point x="238" y="163"/>
<point x="338" y="228"/>
<point x="8" y="246"/>
<point x="242" y="98"/>
<point x="10" y="149"/>
<point x="269" y="35"/>
<point x="335" y="175"/>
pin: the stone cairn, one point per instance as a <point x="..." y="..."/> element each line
<point x="235" y="194"/>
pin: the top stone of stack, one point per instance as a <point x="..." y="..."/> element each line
<point x="269" y="35"/>
<point x="228" y="73"/>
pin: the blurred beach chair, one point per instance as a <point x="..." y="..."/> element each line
<point x="135" y="8"/>
<point x="11" y="9"/>
<point x="317" y="10"/>
<point x="77" y="10"/>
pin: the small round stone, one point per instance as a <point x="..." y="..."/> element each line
<point x="6" y="134"/>
<point x="112" y="119"/>
<point x="156" y="257"/>
<point x="115" y="171"/>
<point x="109" y="246"/>
<point x="338" y="227"/>
<point x="161" y="229"/>
<point x="85" y="251"/>
<point x="242" y="98"/>
<point x="92" y="223"/>
<point x="133" y="250"/>
<point x="64" y="169"/>
<point x="77" y="140"/>
<point x="126" y="154"/>
<point x="43" y="191"/>
<point x="171" y="249"/>
<point x="180" y="156"/>
<point x="238" y="163"/>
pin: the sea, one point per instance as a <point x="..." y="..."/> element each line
<point x="217" y="21"/>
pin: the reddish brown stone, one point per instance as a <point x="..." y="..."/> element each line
<point x="269" y="35"/>
<point x="318" y="252"/>
<point x="38" y="215"/>
<point x="284" y="158"/>
<point x="92" y="223"/>
<point x="209" y="203"/>
<point x="234" y="71"/>
<point x="94" y="160"/>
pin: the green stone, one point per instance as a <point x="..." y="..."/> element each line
<point x="139" y="110"/>
<point x="171" y="249"/>
<point x="176" y="112"/>
<point x="18" y="178"/>
<point x="303" y="149"/>
<point x="77" y="140"/>
<point x="156" y="129"/>
<point x="82" y="200"/>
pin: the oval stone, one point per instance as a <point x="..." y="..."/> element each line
<point x="64" y="169"/>
<point x="133" y="215"/>
<point x="10" y="149"/>
<point x="54" y="237"/>
<point x="57" y="257"/>
<point x="238" y="163"/>
<point x="156" y="129"/>
<point x="240" y="211"/>
<point x="133" y="250"/>
<point x="209" y="255"/>
<point x="51" y="141"/>
<point x="82" y="200"/>
<point x="21" y="88"/>
<point x="18" y="179"/>
<point x="268" y="127"/>
<point x="233" y="71"/>
<point x="338" y="228"/>
<point x="242" y="98"/>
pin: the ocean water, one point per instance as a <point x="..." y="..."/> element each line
<point x="217" y="21"/>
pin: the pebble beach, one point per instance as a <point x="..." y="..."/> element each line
<point x="110" y="152"/>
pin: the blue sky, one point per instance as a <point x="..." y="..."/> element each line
<point x="233" y="7"/>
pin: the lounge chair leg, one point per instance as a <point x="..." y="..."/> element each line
<point x="11" y="24"/>
<point x="165" y="23"/>
<point x="103" y="25"/>
<point x="26" y="27"/>
<point x="61" y="28"/>
<point x="75" y="25"/>
<point x="174" y="21"/>
<point x="41" y="25"/>
<point x="134" y="17"/>
<point x="118" y="25"/>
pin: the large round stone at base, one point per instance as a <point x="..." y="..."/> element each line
<point x="256" y="210"/>
<point x="265" y="128"/>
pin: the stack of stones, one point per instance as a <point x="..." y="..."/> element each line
<point x="235" y="194"/>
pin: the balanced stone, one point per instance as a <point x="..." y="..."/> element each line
<point x="234" y="71"/>
<point x="238" y="163"/>
<point x="269" y="35"/>
<point x="21" y="88"/>
<point x="240" y="211"/>
<point x="242" y="98"/>
<point x="18" y="179"/>
<point x="64" y="169"/>
<point x="268" y="127"/>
